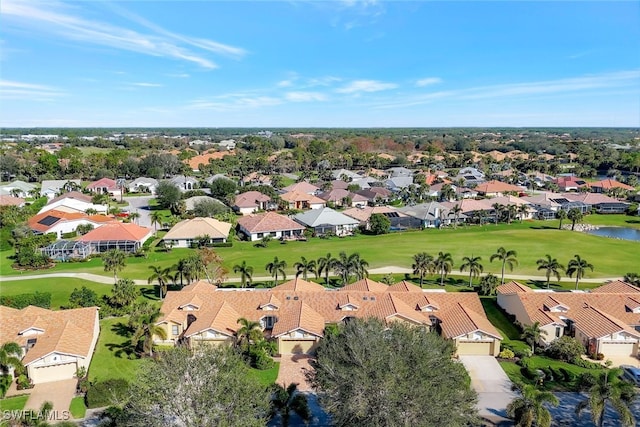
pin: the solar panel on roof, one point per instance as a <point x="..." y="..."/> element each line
<point x="49" y="220"/>
<point x="391" y="214"/>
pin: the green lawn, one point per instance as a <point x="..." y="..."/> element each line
<point x="613" y="220"/>
<point x="267" y="376"/>
<point x="537" y="362"/>
<point x="14" y="403"/>
<point x="77" y="407"/>
<point x="110" y="359"/>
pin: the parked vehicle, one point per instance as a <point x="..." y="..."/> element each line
<point x="631" y="374"/>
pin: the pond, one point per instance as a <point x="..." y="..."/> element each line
<point x="617" y="233"/>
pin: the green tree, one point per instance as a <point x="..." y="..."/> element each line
<point x="124" y="293"/>
<point x="114" y="260"/>
<point x="214" y="389"/>
<point x="276" y="267"/>
<point x="529" y="409"/>
<point x="249" y="332"/>
<point x="287" y="400"/>
<point x="632" y="279"/>
<point x="83" y="297"/>
<point x="489" y="284"/>
<point x="351" y="265"/>
<point x="379" y="224"/>
<point x="156" y="219"/>
<point x="578" y="267"/>
<point x="246" y="272"/>
<point x="507" y="258"/>
<point x="561" y="215"/>
<point x="146" y="328"/>
<point x="575" y="215"/>
<point x="209" y="208"/>
<point x="609" y="388"/>
<point x="551" y="266"/>
<point x="304" y="266"/>
<point x="455" y="211"/>
<point x="406" y="376"/>
<point x="10" y="357"/>
<point x="443" y="265"/>
<point x="565" y="348"/>
<point x="474" y="266"/>
<point x="162" y="276"/>
<point x="325" y="264"/>
<point x="223" y="188"/>
<point x="532" y="334"/>
<point x="168" y="196"/>
<point x="422" y="265"/>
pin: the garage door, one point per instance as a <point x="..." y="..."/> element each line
<point x="484" y="348"/>
<point x="617" y="349"/>
<point x="297" y="346"/>
<point x="52" y="373"/>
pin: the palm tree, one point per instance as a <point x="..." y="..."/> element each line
<point x="455" y="211"/>
<point x="287" y="400"/>
<point x="632" y="278"/>
<point x="249" y="331"/>
<point x="523" y="210"/>
<point x="508" y="258"/>
<point x="422" y="264"/>
<point x="146" y="329"/>
<point x="114" y="260"/>
<point x="488" y="284"/>
<point x="473" y="264"/>
<point x="359" y="266"/>
<point x="609" y="388"/>
<point x="156" y="218"/>
<point x="443" y="264"/>
<point x="498" y="209"/>
<point x="346" y="266"/>
<point x="277" y="266"/>
<point x="512" y="211"/>
<point x="325" y="264"/>
<point x="246" y="272"/>
<point x="162" y="275"/>
<point x="532" y="334"/>
<point x="10" y="357"/>
<point x="551" y="266"/>
<point x="561" y="215"/>
<point x="303" y="267"/>
<point x="133" y="216"/>
<point x="575" y="215"/>
<point x="578" y="266"/>
<point x="529" y="409"/>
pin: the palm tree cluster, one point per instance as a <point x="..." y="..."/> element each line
<point x="347" y="266"/>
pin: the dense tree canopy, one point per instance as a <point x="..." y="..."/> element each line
<point x="369" y="374"/>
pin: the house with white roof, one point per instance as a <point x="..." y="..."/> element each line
<point x="327" y="220"/>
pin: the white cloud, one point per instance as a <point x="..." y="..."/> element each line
<point x="145" y="84"/>
<point x="285" y="83"/>
<point x="428" y="81"/>
<point x="179" y="75"/>
<point x="305" y="96"/>
<point x="48" y="18"/>
<point x="366" y="86"/>
<point x="234" y="102"/>
<point x="28" y="91"/>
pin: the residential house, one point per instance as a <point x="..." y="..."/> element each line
<point x="469" y="176"/>
<point x="191" y="202"/>
<point x="73" y="202"/>
<point x="544" y="201"/>
<point x="209" y="180"/>
<point x="376" y="195"/>
<point x="497" y="188"/>
<point x="105" y="186"/>
<point x="52" y="188"/>
<point x="55" y="344"/>
<point x="302" y="201"/>
<point x="256" y="226"/>
<point x="184" y="183"/>
<point x="342" y="173"/>
<point x="60" y="222"/>
<point x="400" y="172"/>
<point x="397" y="183"/>
<point x="252" y="201"/>
<point x="569" y="183"/>
<point x="143" y="185"/>
<point x="6" y="200"/>
<point x="127" y="237"/>
<point x="17" y="188"/>
<point x="187" y="232"/>
<point x="397" y="218"/>
<point x="606" y="320"/>
<point x="609" y="184"/>
<point x="227" y="144"/>
<point x="599" y="202"/>
<point x="326" y="220"/>
<point x="255" y="178"/>
<point x="343" y="198"/>
<point x="302" y="187"/>
<point x="296" y="313"/>
<point x="432" y="215"/>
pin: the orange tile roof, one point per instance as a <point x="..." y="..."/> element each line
<point x="616" y="287"/>
<point x="461" y="320"/>
<point x="299" y="284"/>
<point x="404" y="286"/>
<point x="302" y="187"/>
<point x="250" y="199"/>
<point x="299" y="316"/>
<point x="56" y="216"/>
<point x="117" y="231"/>
<point x="108" y="183"/>
<point x="496" y="187"/>
<point x="365" y="285"/>
<point x="221" y="317"/>
<point x="6" y="200"/>
<point x="298" y="196"/>
<point x="200" y="286"/>
<point x="268" y="222"/>
<point x="71" y="195"/>
<point x="512" y="288"/>
<point x="608" y="184"/>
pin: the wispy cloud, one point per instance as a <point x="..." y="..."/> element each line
<point x="234" y="102"/>
<point x="53" y="18"/>
<point x="145" y="84"/>
<point x="179" y="75"/>
<point x="358" y="86"/>
<point x="28" y="91"/>
<point x="428" y="81"/>
<point x="305" y="96"/>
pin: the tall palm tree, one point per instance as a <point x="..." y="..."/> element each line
<point x="561" y="215"/>
<point x="529" y="408"/>
<point x="246" y="272"/>
<point x="134" y="216"/>
<point x="609" y="388"/>
<point x="248" y="332"/>
<point x="10" y="357"/>
<point x="512" y="211"/>
<point x="578" y="266"/>
<point x="473" y="264"/>
<point x="455" y="211"/>
<point x="443" y="265"/>
<point x="575" y="215"/>
<point x="146" y="329"/>
<point x="114" y="260"/>
<point x="532" y="334"/>
<point x="162" y="275"/>
<point x="287" y="400"/>
<point x="498" y="209"/>
<point x="422" y="265"/>
<point x="276" y="266"/>
<point x="507" y="258"/>
<point x="551" y="267"/>
<point x="325" y="264"/>
<point x="304" y="266"/>
<point x="156" y="219"/>
<point x="523" y="210"/>
<point x="359" y="266"/>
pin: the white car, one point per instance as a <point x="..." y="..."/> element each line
<point x="631" y="374"/>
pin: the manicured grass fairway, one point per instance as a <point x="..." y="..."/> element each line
<point x="14" y="403"/>
<point x="77" y="407"/>
<point x="108" y="360"/>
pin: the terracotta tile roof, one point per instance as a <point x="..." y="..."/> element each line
<point x="461" y="320"/>
<point x="595" y="323"/>
<point x="608" y="184"/>
<point x="299" y="316"/>
<point x="222" y="317"/>
<point x="298" y="196"/>
<point x="192" y="228"/>
<point x="512" y="288"/>
<point x="6" y="200"/>
<point x="302" y="187"/>
<point x="200" y="286"/>
<point x="64" y="331"/>
<point x="299" y="284"/>
<point x="335" y="195"/>
<point x="616" y="287"/>
<point x="404" y="286"/>
<point x="250" y="199"/>
<point x="496" y="187"/>
<point x="365" y="285"/>
<point x="117" y="231"/>
<point x="589" y="198"/>
<point x="108" y="183"/>
<point x="44" y="221"/>
<point x="268" y="222"/>
<point x="389" y="306"/>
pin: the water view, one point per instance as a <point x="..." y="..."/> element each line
<point x="617" y="233"/>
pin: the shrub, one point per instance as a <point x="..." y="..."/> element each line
<point x="23" y="382"/>
<point x="524" y="362"/>
<point x="222" y="245"/>
<point x="506" y="354"/>
<point x="524" y="353"/>
<point x="20" y="301"/>
<point x="557" y="375"/>
<point x="586" y="380"/>
<point x="579" y="361"/>
<point x="548" y="374"/>
<point x="5" y="383"/>
<point x="568" y="375"/>
<point x="106" y="393"/>
<point x="529" y="374"/>
<point x="565" y="348"/>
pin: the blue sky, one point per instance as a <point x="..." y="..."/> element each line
<point x="319" y="64"/>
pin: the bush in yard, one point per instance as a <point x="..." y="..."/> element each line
<point x="579" y="361"/>
<point x="106" y="393"/>
<point x="557" y="375"/>
<point x="39" y="299"/>
<point x="524" y="353"/>
<point x="586" y="380"/>
<point x="568" y="375"/>
<point x="565" y="348"/>
<point x="506" y="354"/>
<point x="529" y="374"/>
<point x="524" y="362"/>
<point x="548" y="374"/>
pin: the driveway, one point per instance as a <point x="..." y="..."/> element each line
<point x="59" y="393"/>
<point x="564" y="414"/>
<point x="140" y="204"/>
<point x="492" y="385"/>
<point x="292" y="370"/>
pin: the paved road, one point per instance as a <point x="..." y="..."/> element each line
<point x="564" y="414"/>
<point x="140" y="204"/>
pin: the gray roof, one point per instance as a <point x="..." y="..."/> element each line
<point x="20" y="185"/>
<point x="143" y="181"/>
<point x="325" y="216"/>
<point x="399" y="171"/>
<point x="190" y="203"/>
<point x="215" y="177"/>
<point x="338" y="173"/>
<point x="427" y="211"/>
<point x="54" y="185"/>
<point x="399" y="182"/>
